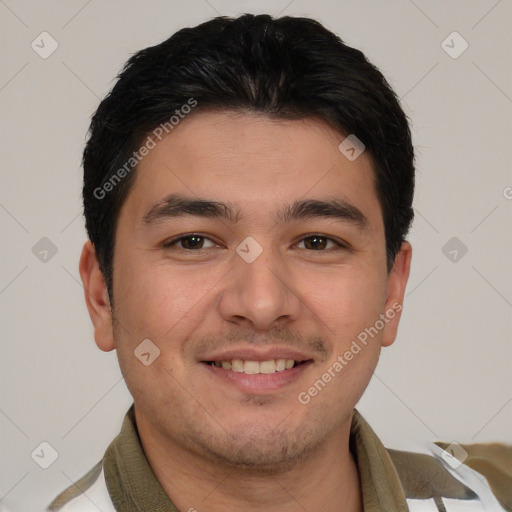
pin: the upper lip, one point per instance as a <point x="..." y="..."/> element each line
<point x="254" y="354"/>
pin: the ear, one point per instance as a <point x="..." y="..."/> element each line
<point x="397" y="281"/>
<point x="96" y="297"/>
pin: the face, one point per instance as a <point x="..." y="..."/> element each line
<point x="229" y="262"/>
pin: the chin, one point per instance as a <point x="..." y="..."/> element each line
<point x="259" y="449"/>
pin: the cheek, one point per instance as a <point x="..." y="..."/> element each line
<point x="346" y="299"/>
<point x="153" y="299"/>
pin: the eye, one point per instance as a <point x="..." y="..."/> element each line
<point x="190" y="242"/>
<point x="319" y="242"/>
<point x="196" y="242"/>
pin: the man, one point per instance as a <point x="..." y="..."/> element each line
<point x="248" y="189"/>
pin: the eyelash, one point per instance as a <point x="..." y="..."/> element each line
<point x="175" y="241"/>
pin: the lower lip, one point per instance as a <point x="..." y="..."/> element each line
<point x="259" y="383"/>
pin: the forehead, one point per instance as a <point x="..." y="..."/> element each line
<point x="254" y="162"/>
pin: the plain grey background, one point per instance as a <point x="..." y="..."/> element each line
<point x="447" y="376"/>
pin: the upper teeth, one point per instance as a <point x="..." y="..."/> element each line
<point x="254" y="367"/>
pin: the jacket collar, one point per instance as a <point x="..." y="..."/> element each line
<point x="133" y="486"/>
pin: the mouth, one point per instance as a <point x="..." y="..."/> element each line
<point x="257" y="377"/>
<point x="252" y="367"/>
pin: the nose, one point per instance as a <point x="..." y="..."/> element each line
<point x="261" y="293"/>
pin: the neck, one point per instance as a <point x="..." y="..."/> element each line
<point x="328" y="480"/>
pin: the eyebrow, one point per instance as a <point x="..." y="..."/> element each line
<point x="177" y="205"/>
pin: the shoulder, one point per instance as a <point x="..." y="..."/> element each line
<point x="89" y="494"/>
<point x="475" y="476"/>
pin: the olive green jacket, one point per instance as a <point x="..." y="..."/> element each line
<point x="453" y="478"/>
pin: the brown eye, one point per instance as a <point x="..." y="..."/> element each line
<point x="190" y="242"/>
<point x="318" y="242"/>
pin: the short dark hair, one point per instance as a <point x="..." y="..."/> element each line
<point x="287" y="67"/>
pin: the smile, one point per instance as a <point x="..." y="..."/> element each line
<point x="254" y="367"/>
<point x="251" y="376"/>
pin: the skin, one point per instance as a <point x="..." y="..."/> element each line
<point x="210" y="445"/>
